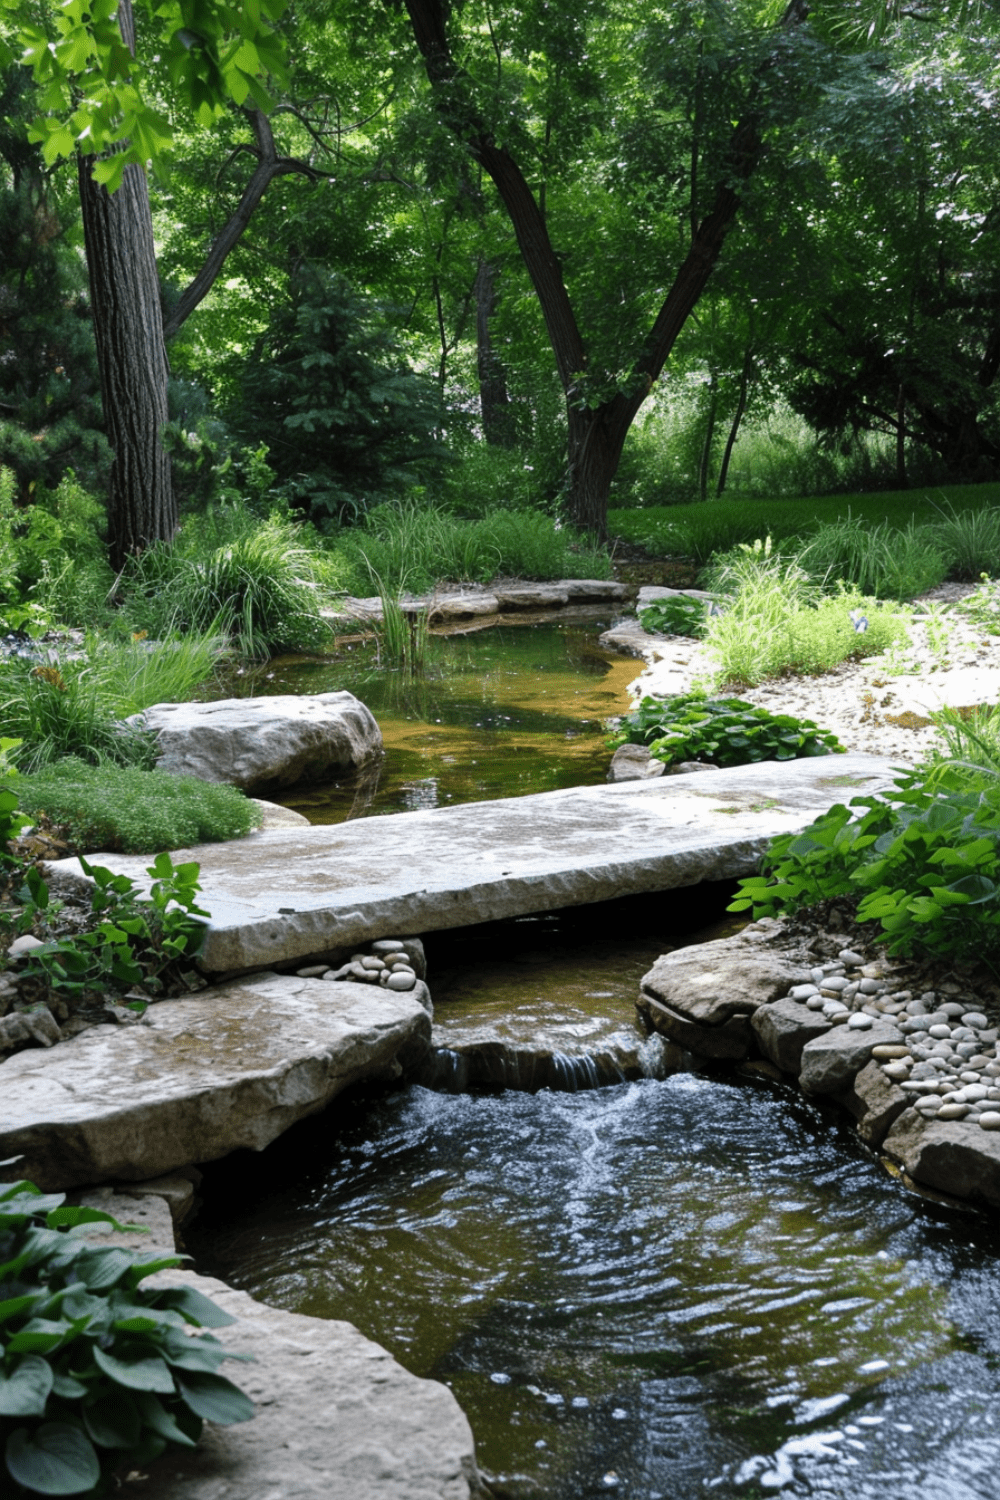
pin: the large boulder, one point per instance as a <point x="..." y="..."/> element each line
<point x="232" y="1066"/>
<point x="711" y="982"/>
<point x="783" y="1029"/>
<point x="875" y="1102"/>
<point x="264" y="744"/>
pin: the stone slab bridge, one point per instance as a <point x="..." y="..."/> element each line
<point x="288" y="895"/>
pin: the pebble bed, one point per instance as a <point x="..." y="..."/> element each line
<point x="393" y="963"/>
<point x="948" y="1065"/>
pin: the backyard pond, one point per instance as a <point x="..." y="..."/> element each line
<point x="495" y="713"/>
<point x="662" y="1289"/>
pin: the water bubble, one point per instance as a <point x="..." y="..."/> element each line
<point x="619" y="1414"/>
<point x="580" y="1402"/>
<point x="499" y="1378"/>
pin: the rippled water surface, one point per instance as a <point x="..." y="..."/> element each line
<point x="496" y="713"/>
<point x="660" y="1289"/>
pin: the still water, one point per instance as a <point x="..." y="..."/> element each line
<point x="662" y="1289"/>
<point x="496" y="713"/>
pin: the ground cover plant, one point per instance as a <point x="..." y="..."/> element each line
<point x="922" y="860"/>
<point x="134" y="810"/>
<point x="97" y="1371"/>
<point x="679" y="615"/>
<point x="725" y="731"/>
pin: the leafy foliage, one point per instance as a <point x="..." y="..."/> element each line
<point x="726" y="731"/>
<point x="96" y="1370"/>
<point x="136" y="811"/>
<point x="923" y="860"/>
<point x="680" y="615"/>
<point x="133" y="941"/>
<point x="883" y="561"/>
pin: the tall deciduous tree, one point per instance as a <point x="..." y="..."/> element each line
<point x="488" y="120"/>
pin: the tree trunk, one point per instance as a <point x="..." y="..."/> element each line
<point x="706" y="447"/>
<point x="901" y="437"/>
<point x="734" y="428"/>
<point x="494" y="397"/>
<point x="595" y="442"/>
<point x="131" y="354"/>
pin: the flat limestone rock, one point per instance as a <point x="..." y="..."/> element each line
<point x="653" y="593"/>
<point x="532" y="596"/>
<point x="629" y="639"/>
<point x="337" y="1418"/>
<point x="273" y="815"/>
<point x="289" y="894"/>
<point x="726" y="1039"/>
<point x="783" y="1029"/>
<point x="950" y="1155"/>
<point x="263" y="744"/>
<point x="634" y="763"/>
<point x="232" y="1066"/>
<point x="875" y="1102"/>
<point x="464" y="606"/>
<point x="830" y="1062"/>
<point x="712" y="982"/>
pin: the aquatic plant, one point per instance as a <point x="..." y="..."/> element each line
<point x="725" y="731"/>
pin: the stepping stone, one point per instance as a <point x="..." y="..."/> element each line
<point x="232" y="1066"/>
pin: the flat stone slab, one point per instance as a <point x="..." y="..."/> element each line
<point x="337" y="1418"/>
<point x="470" y="603"/>
<point x="784" y="1028"/>
<point x="264" y="743"/>
<point x="293" y="893"/>
<point x="232" y="1066"/>
<point x="710" y="983"/>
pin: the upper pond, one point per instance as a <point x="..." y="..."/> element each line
<point x="496" y="713"/>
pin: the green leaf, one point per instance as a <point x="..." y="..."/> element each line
<point x="24" y="1392"/>
<point x="38" y="1336"/>
<point x="215" y="1398"/>
<point x="54" y="1459"/>
<point x="137" y="1369"/>
<point x="14" y="1305"/>
<point x="155" y="1415"/>
<point x="193" y="1306"/>
<point x="112" y="1421"/>
<point x="68" y="1387"/>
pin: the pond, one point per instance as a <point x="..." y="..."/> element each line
<point x="661" y="1289"/>
<point x="496" y="713"/>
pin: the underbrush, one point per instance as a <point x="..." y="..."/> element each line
<point x="76" y="704"/>
<point x="132" y="810"/>
<point x="723" y="731"/>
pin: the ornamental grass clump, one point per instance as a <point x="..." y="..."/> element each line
<point x="97" y="1372"/>
<point x="884" y="561"/>
<point x="776" y="620"/>
<point x="922" y="860"/>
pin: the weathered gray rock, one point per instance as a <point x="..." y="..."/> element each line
<point x="464" y="606"/>
<point x="531" y="596"/>
<point x="830" y="1062"/>
<point x="726" y="1039"/>
<point x="652" y="593"/>
<point x="783" y="1029"/>
<point x="629" y="639"/>
<point x="263" y="744"/>
<point x="954" y="1156"/>
<point x="232" y="1066"/>
<point x="711" y="982"/>
<point x="337" y="1418"/>
<point x="273" y="815"/>
<point x="634" y="763"/>
<point x="875" y="1102"/>
<point x="287" y="896"/>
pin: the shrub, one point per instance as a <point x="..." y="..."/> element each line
<point x="726" y="731"/>
<point x="923" y="860"/>
<point x="136" y="811"/>
<point x="969" y="539"/>
<point x="97" y="1371"/>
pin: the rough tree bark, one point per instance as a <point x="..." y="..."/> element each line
<point x="596" y="434"/>
<point x="131" y="353"/>
<point x="494" y="397"/>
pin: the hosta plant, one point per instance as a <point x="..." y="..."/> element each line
<point x="923" y="861"/>
<point x="725" y="731"/>
<point x="97" y="1372"/>
<point x="677" y="614"/>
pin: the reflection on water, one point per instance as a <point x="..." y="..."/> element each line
<point x="661" y="1289"/>
<point x="497" y="713"/>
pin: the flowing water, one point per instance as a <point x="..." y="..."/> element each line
<point x="663" y="1289"/>
<point x="496" y="713"/>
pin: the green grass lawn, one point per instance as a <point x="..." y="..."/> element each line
<point x="698" y="530"/>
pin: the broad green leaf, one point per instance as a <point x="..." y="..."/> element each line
<point x="156" y="1416"/>
<point x="112" y="1421"/>
<point x="24" y="1392"/>
<point x="140" y="1371"/>
<point x="193" y="1306"/>
<point x="215" y="1398"/>
<point x="54" y="1459"/>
